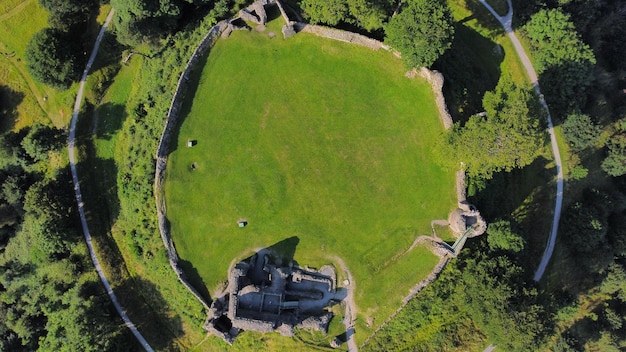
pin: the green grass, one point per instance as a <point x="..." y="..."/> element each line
<point x="311" y="138"/>
<point x="41" y="103"/>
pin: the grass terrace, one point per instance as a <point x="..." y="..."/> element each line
<point x="313" y="138"/>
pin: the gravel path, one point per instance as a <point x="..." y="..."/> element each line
<point x="350" y="317"/>
<point x="506" y="22"/>
<point x="79" y="197"/>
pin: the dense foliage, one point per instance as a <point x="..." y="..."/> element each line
<point x="367" y="14"/>
<point x="562" y="60"/>
<point x="422" y="32"/>
<point x="49" y="298"/>
<point x="580" y="131"/>
<point x="56" y="55"/>
<point x="139" y="21"/>
<point x="70" y="14"/>
<point x="509" y="135"/>
<point x="476" y="295"/>
<point x="55" y="58"/>
<point x="615" y="162"/>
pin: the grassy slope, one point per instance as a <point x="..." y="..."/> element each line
<point x="336" y="150"/>
<point x="39" y="102"/>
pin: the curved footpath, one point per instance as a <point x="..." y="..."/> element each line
<point x="506" y="22"/>
<point x="79" y="198"/>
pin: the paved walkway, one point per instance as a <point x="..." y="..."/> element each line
<point x="506" y="22"/>
<point x="79" y="197"/>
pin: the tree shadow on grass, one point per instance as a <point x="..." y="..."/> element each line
<point x="483" y="17"/>
<point x="500" y="196"/>
<point x="9" y="101"/>
<point x="470" y="67"/>
<point x="143" y="302"/>
<point x="98" y="177"/>
<point x="525" y="196"/>
<point x="108" y="119"/>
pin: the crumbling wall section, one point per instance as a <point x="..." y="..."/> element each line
<point x="337" y="34"/>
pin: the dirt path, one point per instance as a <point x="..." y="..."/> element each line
<point x="351" y="311"/>
<point x="506" y="22"/>
<point x="79" y="198"/>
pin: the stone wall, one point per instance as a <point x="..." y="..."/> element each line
<point x="163" y="151"/>
<point x="435" y="78"/>
<point x="340" y="35"/>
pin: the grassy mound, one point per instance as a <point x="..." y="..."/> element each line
<point x="314" y="139"/>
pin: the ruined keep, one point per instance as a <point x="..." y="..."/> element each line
<point x="265" y="296"/>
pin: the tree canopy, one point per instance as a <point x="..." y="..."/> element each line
<point x="580" y="131"/>
<point x="367" y="14"/>
<point x="563" y="61"/>
<point x="421" y="32"/>
<point x="68" y="14"/>
<point x="501" y="237"/>
<point x="55" y="57"/>
<point x="509" y="135"/>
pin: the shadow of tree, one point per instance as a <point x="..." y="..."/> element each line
<point x="525" y="196"/>
<point x="108" y="119"/>
<point x="110" y="52"/>
<point x="484" y="18"/>
<point x="9" y="101"/>
<point x="506" y="191"/>
<point x="148" y="310"/>
<point x="470" y="67"/>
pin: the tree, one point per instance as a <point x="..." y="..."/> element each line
<point x="501" y="237"/>
<point x="42" y="139"/>
<point x="421" y="32"/>
<point x="54" y="57"/>
<point x="145" y="20"/>
<point x="615" y="162"/>
<point x="580" y="132"/>
<point x="564" y="62"/>
<point x="369" y="14"/>
<point x="330" y="12"/>
<point x="68" y="14"/>
<point x="509" y="136"/>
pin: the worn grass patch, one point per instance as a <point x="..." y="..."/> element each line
<point x="316" y="139"/>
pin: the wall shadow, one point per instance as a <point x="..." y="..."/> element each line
<point x="194" y="279"/>
<point x="9" y="101"/>
<point x="189" y="93"/>
<point x="470" y="68"/>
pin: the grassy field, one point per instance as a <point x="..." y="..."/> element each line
<point x="313" y="139"/>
